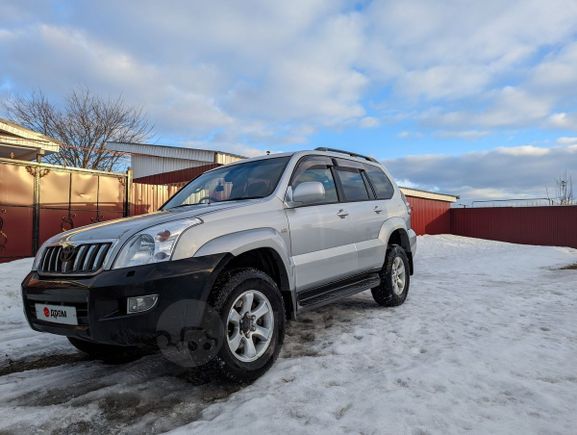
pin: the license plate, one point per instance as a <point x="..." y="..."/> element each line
<point x="56" y="314"/>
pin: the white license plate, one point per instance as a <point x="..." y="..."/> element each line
<point x="56" y="314"/>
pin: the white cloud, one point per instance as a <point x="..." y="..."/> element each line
<point x="259" y="71"/>
<point x="443" y="81"/>
<point x="199" y="69"/>
<point x="566" y="121"/>
<point x="524" y="150"/>
<point x="369" y="122"/>
<point x="523" y="171"/>
<point x="567" y="140"/>
<point x="410" y="135"/>
<point x="463" y="134"/>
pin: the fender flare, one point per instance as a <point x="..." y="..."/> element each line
<point x="389" y="227"/>
<point x="248" y="240"/>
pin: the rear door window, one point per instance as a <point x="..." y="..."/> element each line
<point x="381" y="184"/>
<point x="352" y="184"/>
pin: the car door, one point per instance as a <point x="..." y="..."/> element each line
<point x="364" y="214"/>
<point x="322" y="241"/>
<point x="381" y="208"/>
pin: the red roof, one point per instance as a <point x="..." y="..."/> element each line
<point x="176" y="177"/>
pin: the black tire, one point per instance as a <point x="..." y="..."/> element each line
<point x="228" y="287"/>
<point x="105" y="352"/>
<point x="385" y="293"/>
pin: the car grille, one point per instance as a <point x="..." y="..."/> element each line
<point x="86" y="258"/>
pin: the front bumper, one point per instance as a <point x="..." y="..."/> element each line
<point x="183" y="287"/>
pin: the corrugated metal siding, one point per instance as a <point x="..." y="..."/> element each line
<point x="174" y="152"/>
<point x="144" y="166"/>
<point x="164" y="151"/>
<point x="225" y="159"/>
<point x="551" y="226"/>
<point x="430" y="216"/>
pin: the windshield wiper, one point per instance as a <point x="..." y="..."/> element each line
<point x="185" y="205"/>
<point x="242" y="198"/>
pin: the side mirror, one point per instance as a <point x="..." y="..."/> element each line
<point x="309" y="192"/>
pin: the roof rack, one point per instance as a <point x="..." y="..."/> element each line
<point x="348" y="153"/>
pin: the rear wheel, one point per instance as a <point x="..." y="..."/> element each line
<point x="395" y="278"/>
<point x="105" y="352"/>
<point x="251" y="308"/>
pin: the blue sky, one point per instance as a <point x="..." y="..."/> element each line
<point x="428" y="87"/>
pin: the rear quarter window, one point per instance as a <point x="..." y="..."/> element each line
<point x="381" y="184"/>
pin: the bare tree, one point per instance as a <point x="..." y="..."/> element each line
<point x="565" y="189"/>
<point x="83" y="126"/>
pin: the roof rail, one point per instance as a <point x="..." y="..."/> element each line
<point x="349" y="153"/>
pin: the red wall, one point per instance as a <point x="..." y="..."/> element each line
<point x="552" y="226"/>
<point x="429" y="216"/>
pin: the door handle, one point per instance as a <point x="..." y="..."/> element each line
<point x="377" y="209"/>
<point x="342" y="213"/>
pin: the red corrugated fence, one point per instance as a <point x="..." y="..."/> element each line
<point x="551" y="226"/>
<point x="429" y="216"/>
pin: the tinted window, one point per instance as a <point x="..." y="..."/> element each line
<point x="311" y="170"/>
<point x="380" y="182"/>
<point x="255" y="179"/>
<point x="353" y="185"/>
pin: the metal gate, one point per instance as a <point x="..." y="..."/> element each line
<point x="39" y="200"/>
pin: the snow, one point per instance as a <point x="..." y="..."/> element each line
<point x="485" y="343"/>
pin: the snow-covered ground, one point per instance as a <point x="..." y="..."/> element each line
<point x="485" y="343"/>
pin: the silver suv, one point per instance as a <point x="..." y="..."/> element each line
<point x="214" y="274"/>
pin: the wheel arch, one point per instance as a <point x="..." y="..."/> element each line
<point x="263" y="249"/>
<point x="394" y="232"/>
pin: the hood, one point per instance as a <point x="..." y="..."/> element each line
<point x="122" y="229"/>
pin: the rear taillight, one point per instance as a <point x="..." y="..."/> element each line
<point x="407" y="203"/>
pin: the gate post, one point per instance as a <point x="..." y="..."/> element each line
<point x="128" y="193"/>
<point x="36" y="211"/>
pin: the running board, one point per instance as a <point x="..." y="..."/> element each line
<point x="331" y="292"/>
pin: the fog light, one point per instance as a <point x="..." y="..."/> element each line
<point x="138" y="304"/>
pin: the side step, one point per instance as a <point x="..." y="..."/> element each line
<point x="331" y="292"/>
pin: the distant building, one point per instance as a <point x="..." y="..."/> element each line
<point x="148" y="160"/>
<point x="19" y="143"/>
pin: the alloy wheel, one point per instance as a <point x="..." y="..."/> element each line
<point x="398" y="277"/>
<point x="250" y="326"/>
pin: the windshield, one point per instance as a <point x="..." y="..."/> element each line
<point x="249" y="180"/>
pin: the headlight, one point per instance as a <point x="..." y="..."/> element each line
<point x="37" y="258"/>
<point x="154" y="244"/>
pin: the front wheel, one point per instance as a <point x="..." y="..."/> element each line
<point x="251" y="308"/>
<point x="395" y="278"/>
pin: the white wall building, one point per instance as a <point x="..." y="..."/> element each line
<point x="147" y="159"/>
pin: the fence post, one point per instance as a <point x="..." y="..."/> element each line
<point x="128" y="194"/>
<point x="36" y="210"/>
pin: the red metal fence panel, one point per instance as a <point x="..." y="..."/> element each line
<point x="16" y="211"/>
<point x="38" y="201"/>
<point x="551" y="226"/>
<point x="147" y="198"/>
<point x="429" y="216"/>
